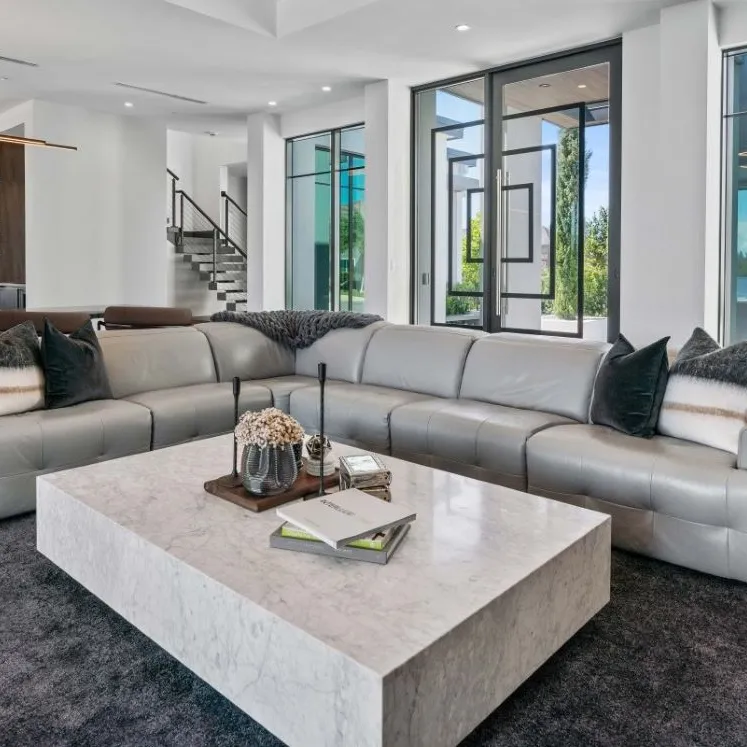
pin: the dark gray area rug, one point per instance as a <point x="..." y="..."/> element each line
<point x="665" y="663"/>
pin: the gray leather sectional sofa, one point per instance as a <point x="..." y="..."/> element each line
<point x="507" y="409"/>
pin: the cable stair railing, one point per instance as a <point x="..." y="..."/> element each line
<point x="234" y="219"/>
<point x="217" y="258"/>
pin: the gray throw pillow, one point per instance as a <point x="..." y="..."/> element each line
<point x="706" y="397"/>
<point x="21" y="374"/>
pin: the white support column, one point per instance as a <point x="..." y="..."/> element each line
<point x="387" y="270"/>
<point x="266" y="213"/>
<point x="690" y="123"/>
<point x="712" y="275"/>
<point x="670" y="179"/>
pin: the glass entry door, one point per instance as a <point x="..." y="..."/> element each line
<point x="541" y="162"/>
<point x="540" y="222"/>
<point x="516" y="223"/>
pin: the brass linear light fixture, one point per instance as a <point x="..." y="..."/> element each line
<point x="18" y="140"/>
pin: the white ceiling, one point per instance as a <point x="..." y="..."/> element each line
<point x="239" y="54"/>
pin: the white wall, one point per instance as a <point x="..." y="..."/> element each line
<point x="387" y="260"/>
<point x="94" y="215"/>
<point x="145" y="266"/>
<point x="327" y="117"/>
<point x="210" y="154"/>
<point x="17" y="116"/>
<point x="670" y="152"/>
<point x="179" y="159"/>
<point x="198" y="161"/>
<point x="641" y="261"/>
<point x="732" y="24"/>
<point x="236" y="186"/>
<point x="266" y="210"/>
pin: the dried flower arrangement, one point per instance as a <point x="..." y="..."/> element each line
<point x="269" y="427"/>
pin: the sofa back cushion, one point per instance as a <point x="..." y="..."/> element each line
<point x="533" y="373"/>
<point x="244" y="352"/>
<point x="145" y="360"/>
<point x="342" y="350"/>
<point x="429" y="360"/>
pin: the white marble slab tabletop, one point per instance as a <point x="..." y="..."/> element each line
<point x="470" y="543"/>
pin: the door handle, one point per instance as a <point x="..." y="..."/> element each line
<point x="502" y="233"/>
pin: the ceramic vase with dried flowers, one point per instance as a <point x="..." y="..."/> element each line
<point x="271" y="440"/>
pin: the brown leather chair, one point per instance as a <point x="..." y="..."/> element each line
<point x="65" y="321"/>
<point x="145" y="317"/>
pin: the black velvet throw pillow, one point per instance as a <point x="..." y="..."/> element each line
<point x="630" y="387"/>
<point x="74" y="368"/>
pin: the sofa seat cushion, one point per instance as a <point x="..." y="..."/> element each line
<point x="283" y="386"/>
<point x="357" y="414"/>
<point x="491" y="438"/>
<point x="50" y="440"/>
<point x="662" y="474"/>
<point x="189" y="413"/>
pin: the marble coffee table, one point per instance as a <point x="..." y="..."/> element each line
<point x="486" y="586"/>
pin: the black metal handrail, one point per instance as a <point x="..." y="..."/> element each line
<point x="233" y="202"/>
<point x="174" y="180"/>
<point x="234" y="218"/>
<point x="216" y="228"/>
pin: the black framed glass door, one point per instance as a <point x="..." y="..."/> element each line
<point x="549" y="264"/>
<point x="539" y="212"/>
<point x="516" y="224"/>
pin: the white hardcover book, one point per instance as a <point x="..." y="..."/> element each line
<point x="340" y="518"/>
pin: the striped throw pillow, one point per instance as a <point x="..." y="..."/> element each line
<point x="706" y="396"/>
<point x="21" y="373"/>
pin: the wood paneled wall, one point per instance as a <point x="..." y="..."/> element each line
<point x="12" y="213"/>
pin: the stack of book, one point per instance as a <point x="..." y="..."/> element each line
<point x="350" y="524"/>
<point x="366" y="472"/>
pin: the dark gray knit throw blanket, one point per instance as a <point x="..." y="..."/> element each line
<point x="297" y="329"/>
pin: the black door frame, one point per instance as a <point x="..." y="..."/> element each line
<point x="609" y="52"/>
<point x="335" y="176"/>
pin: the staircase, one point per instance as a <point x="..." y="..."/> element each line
<point x="218" y="258"/>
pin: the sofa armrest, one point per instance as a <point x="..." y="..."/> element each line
<point x="742" y="450"/>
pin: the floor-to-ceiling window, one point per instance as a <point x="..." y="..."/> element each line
<point x="734" y="207"/>
<point x="325" y="209"/>
<point x="516" y="219"/>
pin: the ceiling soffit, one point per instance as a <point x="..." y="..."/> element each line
<point x="273" y="18"/>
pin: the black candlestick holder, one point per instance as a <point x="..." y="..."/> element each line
<point x="236" y="395"/>
<point x="234" y="478"/>
<point x="322" y="382"/>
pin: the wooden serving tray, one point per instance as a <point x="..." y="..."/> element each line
<point x="231" y="490"/>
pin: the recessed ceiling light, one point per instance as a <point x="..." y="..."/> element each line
<point x="272" y="103"/>
<point x="582" y="85"/>
<point x="463" y="27"/>
<point x="212" y="133"/>
<point x="129" y="104"/>
<point x="4" y="77"/>
<point x="544" y="85"/>
<point x="326" y="89"/>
